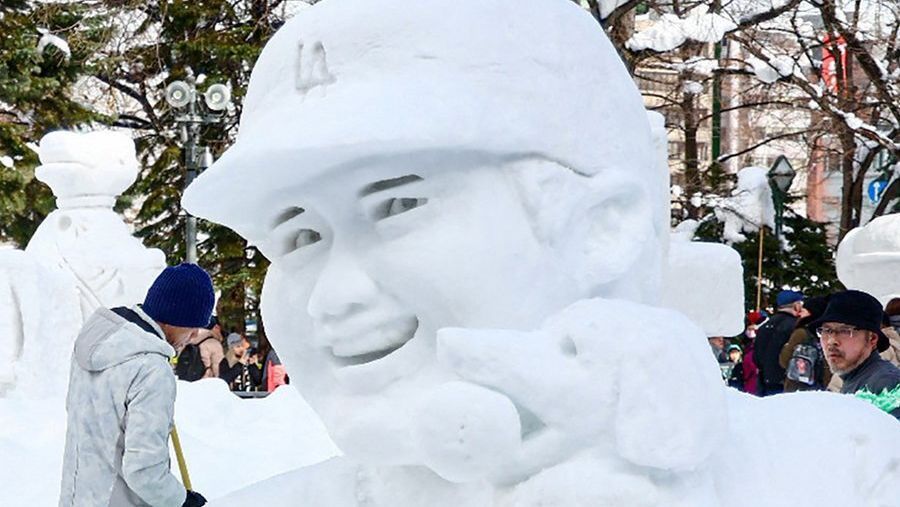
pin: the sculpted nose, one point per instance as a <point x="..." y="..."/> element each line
<point x="343" y="288"/>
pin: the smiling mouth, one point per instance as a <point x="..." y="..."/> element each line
<point x="376" y="355"/>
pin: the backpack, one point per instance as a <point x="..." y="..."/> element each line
<point x="803" y="364"/>
<point x="190" y="365"/>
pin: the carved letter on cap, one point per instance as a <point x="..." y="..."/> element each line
<point x="312" y="67"/>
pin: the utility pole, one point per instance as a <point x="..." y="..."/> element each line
<point x="191" y="116"/>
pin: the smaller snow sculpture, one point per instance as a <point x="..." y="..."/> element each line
<point x="749" y="207"/>
<point x="868" y="258"/>
<point x="82" y="256"/>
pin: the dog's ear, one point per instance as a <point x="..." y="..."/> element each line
<point x="671" y="410"/>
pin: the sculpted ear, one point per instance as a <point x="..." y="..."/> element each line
<point x="601" y="225"/>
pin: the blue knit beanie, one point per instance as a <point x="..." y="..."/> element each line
<point x="181" y="296"/>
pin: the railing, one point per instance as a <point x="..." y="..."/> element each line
<point x="246" y="395"/>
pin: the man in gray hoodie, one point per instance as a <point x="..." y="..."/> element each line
<point x="121" y="397"/>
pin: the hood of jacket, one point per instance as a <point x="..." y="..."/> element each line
<point x="107" y="340"/>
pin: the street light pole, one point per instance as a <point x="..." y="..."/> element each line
<point x="780" y="177"/>
<point x="183" y="97"/>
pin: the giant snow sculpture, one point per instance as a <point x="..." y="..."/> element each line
<point x="82" y="256"/>
<point x="461" y="203"/>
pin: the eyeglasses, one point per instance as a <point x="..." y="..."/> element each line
<point x="841" y="333"/>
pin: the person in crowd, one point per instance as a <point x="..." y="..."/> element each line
<point x="736" y="378"/>
<point x="274" y="374"/>
<point x="121" y="396"/>
<point x="254" y="369"/>
<point x="892" y="330"/>
<point x="771" y="337"/>
<point x="889" y="327"/>
<point x="851" y="336"/>
<point x="802" y="357"/>
<point x="749" y="370"/>
<point x="211" y="350"/>
<point x="233" y="368"/>
<point x="717" y="344"/>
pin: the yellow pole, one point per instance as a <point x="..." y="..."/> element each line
<point x="759" y="269"/>
<point x="179" y="455"/>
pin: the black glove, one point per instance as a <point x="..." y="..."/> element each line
<point x="193" y="499"/>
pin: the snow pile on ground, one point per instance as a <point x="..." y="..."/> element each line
<point x="228" y="443"/>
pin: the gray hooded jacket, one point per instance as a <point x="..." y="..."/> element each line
<point x="120" y="410"/>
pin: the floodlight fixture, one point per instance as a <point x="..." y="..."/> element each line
<point x="217" y="97"/>
<point x="179" y="94"/>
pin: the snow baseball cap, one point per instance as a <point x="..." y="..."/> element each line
<point x="181" y="296"/>
<point x="347" y="80"/>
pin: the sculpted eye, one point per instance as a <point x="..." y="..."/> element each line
<point x="306" y="237"/>
<point x="397" y="206"/>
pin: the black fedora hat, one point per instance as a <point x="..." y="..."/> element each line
<point x="857" y="309"/>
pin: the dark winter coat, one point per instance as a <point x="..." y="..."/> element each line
<point x="770" y="338"/>
<point x="878" y="377"/>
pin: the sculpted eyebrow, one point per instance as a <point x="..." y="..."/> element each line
<point x="286" y="215"/>
<point x="382" y="185"/>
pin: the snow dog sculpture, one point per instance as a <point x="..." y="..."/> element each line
<point x="461" y="202"/>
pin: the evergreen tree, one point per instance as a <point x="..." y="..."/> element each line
<point x="35" y="98"/>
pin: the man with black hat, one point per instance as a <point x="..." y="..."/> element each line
<point x="122" y="394"/>
<point x="851" y="336"/>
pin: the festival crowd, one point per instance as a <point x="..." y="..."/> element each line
<point x="843" y="342"/>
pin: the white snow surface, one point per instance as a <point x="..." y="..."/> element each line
<point x="228" y="443"/>
<point x="465" y="287"/>
<point x="670" y="31"/>
<point x="701" y="276"/>
<point x="867" y="253"/>
<point x="49" y="39"/>
<point x="473" y="312"/>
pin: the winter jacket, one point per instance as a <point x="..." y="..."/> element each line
<point x="877" y="381"/>
<point x="749" y="369"/>
<point x="120" y="409"/>
<point x="770" y="338"/>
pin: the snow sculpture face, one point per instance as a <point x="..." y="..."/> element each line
<point x="413" y="176"/>
<point x="370" y="263"/>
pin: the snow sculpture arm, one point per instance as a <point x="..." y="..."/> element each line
<point x="601" y="374"/>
